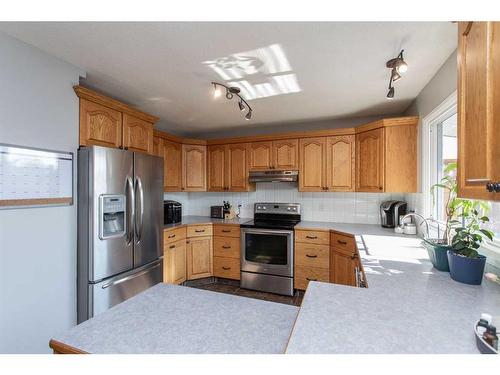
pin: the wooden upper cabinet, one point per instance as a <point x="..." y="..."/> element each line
<point x="216" y="168"/>
<point x="237" y="167"/>
<point x="194" y="163"/>
<point x="228" y="167"/>
<point x="261" y="156"/>
<point x="99" y="125"/>
<point x="341" y="157"/>
<point x="137" y="134"/>
<point x="478" y="108"/>
<point x="172" y="164"/>
<point x="285" y="154"/>
<point x="158" y="146"/>
<point x="312" y="164"/>
<point x="370" y="161"/>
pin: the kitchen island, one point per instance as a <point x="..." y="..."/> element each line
<point x="408" y="307"/>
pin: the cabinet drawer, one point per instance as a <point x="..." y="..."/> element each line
<point x="173" y="235"/>
<point x="343" y="243"/>
<point x="312" y="255"/>
<point x="228" y="268"/>
<point x="305" y="274"/>
<point x="227" y="247"/>
<point x="312" y="236"/>
<point x="227" y="230"/>
<point x="199" y="230"/>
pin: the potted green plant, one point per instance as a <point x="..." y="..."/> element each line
<point x="437" y="248"/>
<point x="466" y="264"/>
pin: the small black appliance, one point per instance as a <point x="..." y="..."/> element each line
<point x="172" y="212"/>
<point x="390" y="211"/>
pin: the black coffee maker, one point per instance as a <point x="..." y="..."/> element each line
<point x="390" y="211"/>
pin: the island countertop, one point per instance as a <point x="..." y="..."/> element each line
<point x="174" y="319"/>
<point x="408" y="307"/>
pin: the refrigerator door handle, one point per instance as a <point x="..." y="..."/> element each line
<point x="138" y="228"/>
<point x="130" y="277"/>
<point x="130" y="209"/>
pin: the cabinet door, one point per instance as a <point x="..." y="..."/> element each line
<point x="285" y="154"/>
<point x="342" y="269"/>
<point x="216" y="168"/>
<point x="174" y="265"/>
<point x="370" y="161"/>
<point x="312" y="164"/>
<point x="199" y="257"/>
<point x="137" y="134"/>
<point x="261" y="156"/>
<point x="172" y="164"/>
<point x="99" y="125"/>
<point x="340" y="170"/>
<point x="476" y="110"/>
<point x="237" y="167"/>
<point x="158" y="146"/>
<point x="194" y="163"/>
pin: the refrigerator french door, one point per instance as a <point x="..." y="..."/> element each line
<point x="120" y="217"/>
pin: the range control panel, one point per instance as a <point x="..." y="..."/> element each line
<point x="277" y="208"/>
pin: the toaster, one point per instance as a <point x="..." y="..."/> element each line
<point x="217" y="212"/>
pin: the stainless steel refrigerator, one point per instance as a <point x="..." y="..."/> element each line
<point x="120" y="226"/>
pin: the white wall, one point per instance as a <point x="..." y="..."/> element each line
<point x="333" y="207"/>
<point x="37" y="246"/>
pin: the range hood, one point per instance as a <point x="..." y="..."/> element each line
<point x="273" y="176"/>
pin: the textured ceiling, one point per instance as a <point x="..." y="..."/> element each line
<point x="289" y="71"/>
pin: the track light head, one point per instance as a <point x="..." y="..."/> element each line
<point x="231" y="92"/>
<point x="395" y="76"/>
<point x="390" y="94"/>
<point x="241" y="105"/>
<point x="249" y="115"/>
<point x="217" y="92"/>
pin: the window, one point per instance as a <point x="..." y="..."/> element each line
<point x="444" y="149"/>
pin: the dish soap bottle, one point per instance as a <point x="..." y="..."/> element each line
<point x="490" y="336"/>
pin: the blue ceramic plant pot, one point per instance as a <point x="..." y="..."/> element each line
<point x="466" y="270"/>
<point x="438" y="254"/>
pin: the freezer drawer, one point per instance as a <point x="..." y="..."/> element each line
<point x="112" y="291"/>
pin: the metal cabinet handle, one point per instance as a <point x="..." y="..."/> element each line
<point x="342" y="242"/>
<point x="312" y="237"/>
<point x="477" y="180"/>
<point x="226" y="268"/>
<point x="226" y="247"/>
<point x="354" y="256"/>
<point x="199" y="230"/>
<point x="308" y="279"/>
<point x="380" y="187"/>
<point x="226" y="230"/>
<point x="311" y="256"/>
<point x="493" y="187"/>
<point x="172" y="247"/>
<point x="171" y="236"/>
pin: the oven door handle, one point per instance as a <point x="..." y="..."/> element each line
<point x="267" y="231"/>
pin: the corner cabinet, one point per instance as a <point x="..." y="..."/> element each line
<point x="199" y="257"/>
<point x="370" y="161"/>
<point x="479" y="110"/>
<point x="194" y="163"/>
<point x="386" y="156"/>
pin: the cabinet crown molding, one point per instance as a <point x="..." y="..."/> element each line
<point x="86" y="93"/>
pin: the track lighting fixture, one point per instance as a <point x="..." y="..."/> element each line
<point x="230" y="93"/>
<point x="398" y="67"/>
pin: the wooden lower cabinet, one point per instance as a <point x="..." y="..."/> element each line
<point x="199" y="257"/>
<point x="303" y="275"/>
<point x="228" y="268"/>
<point x="174" y="263"/>
<point x="343" y="268"/>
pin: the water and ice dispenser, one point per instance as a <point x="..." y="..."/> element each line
<point x="112" y="221"/>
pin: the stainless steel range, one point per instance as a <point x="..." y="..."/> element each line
<point x="267" y="248"/>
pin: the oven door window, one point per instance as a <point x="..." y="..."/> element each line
<point x="266" y="248"/>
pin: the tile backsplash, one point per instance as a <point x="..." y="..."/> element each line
<point x="332" y="207"/>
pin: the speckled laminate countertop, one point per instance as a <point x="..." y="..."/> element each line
<point x="187" y="220"/>
<point x="176" y="319"/>
<point x="408" y="307"/>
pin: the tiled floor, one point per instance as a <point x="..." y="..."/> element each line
<point x="232" y="287"/>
